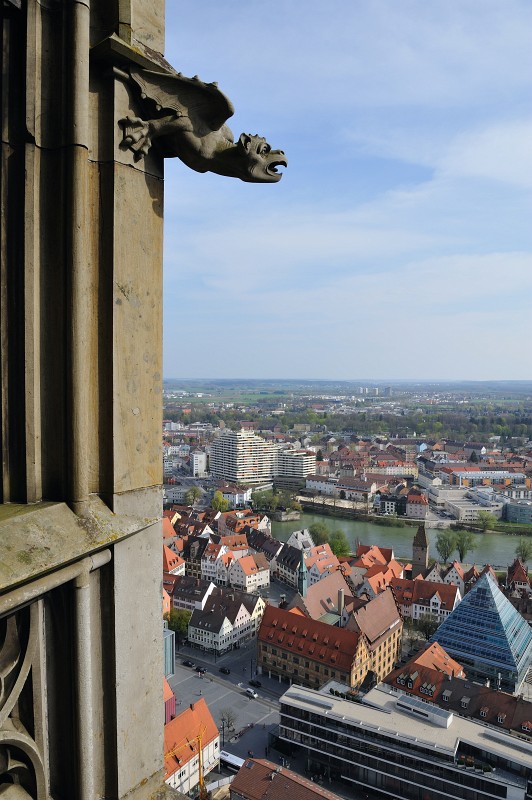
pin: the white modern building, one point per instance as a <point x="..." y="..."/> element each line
<point x="296" y="464"/>
<point x="198" y="463"/>
<point x="242" y="457"/>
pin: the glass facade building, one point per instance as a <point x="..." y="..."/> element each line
<point x="488" y="637"/>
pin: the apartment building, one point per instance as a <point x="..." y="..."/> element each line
<point x="242" y="457"/>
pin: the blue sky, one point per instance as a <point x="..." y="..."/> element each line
<point x="398" y="242"/>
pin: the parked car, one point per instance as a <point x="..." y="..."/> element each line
<point x="187" y="663"/>
<point x="252" y="694"/>
<point x="225" y="670"/>
<point x="201" y="670"/>
<point x="255" y="683"/>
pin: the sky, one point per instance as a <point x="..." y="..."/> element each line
<point x="398" y="242"/>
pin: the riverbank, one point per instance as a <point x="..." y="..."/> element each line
<point x="497" y="549"/>
<point x="345" y="510"/>
<point x="348" y="512"/>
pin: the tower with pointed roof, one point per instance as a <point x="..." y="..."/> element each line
<point x="488" y="637"/>
<point x="302" y="576"/>
<point x="420" y="552"/>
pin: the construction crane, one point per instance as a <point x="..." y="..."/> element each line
<point x="203" y="794"/>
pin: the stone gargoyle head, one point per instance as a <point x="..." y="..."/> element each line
<point x="258" y="161"/>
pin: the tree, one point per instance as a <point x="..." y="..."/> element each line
<point x="219" y="503"/>
<point x="427" y="625"/>
<point x="319" y="456"/>
<point x="178" y="620"/>
<point x="193" y="494"/>
<point x="228" y="717"/>
<point x="339" y="544"/>
<point x="464" y="542"/>
<point x="319" y="533"/>
<point x="487" y="520"/>
<point x="473" y="457"/>
<point x="445" y="544"/>
<point x="523" y="551"/>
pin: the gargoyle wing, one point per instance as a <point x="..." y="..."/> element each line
<point x="185" y="96"/>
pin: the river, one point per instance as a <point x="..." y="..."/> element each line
<point x="492" y="548"/>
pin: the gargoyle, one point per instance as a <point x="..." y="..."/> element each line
<point x="195" y="129"/>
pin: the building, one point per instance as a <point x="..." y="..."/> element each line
<point x="228" y="618"/>
<point x="301" y="539"/>
<point x="242" y="457"/>
<point x="236" y="496"/>
<point x="330" y="600"/>
<point x="249" y="573"/>
<point x="293" y="466"/>
<point x="188" y="593"/>
<point x="321" y="484"/>
<point x="198" y="463"/>
<point x="263" y="542"/>
<point x="517" y="576"/>
<point x="452" y="574"/>
<point x="403" y="747"/>
<point x="419" y="598"/>
<point x="417" y="505"/>
<point x="192" y="729"/>
<point x="193" y="551"/>
<point x="173" y="563"/>
<point x="488" y="637"/>
<point x="320" y="562"/>
<point x="299" y="649"/>
<point x="259" y="779"/>
<point x="285" y="565"/>
<point x="381" y="624"/>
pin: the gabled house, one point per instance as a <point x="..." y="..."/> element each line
<point x="417" y="598"/>
<point x="228" y="618"/>
<point x="249" y="573"/>
<point x="320" y="562"/>
<point x="285" y="565"/>
<point x="182" y="737"/>
<point x="517" y="576"/>
<point x="382" y="625"/>
<point x="173" y="563"/>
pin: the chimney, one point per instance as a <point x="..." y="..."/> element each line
<point x="340" y="601"/>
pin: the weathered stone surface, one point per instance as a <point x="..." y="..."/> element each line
<point x="80" y="403"/>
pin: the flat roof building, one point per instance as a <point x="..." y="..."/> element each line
<point x="402" y="747"/>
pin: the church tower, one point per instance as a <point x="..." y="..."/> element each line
<point x="302" y="576"/>
<point x="420" y="552"/>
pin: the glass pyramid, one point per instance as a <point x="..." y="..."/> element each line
<point x="488" y="636"/>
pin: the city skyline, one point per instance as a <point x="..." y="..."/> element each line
<point x="397" y="244"/>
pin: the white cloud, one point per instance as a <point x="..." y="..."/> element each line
<point x="500" y="153"/>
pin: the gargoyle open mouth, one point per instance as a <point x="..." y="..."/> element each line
<point x="272" y="167"/>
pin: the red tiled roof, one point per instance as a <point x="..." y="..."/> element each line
<point x="168" y="530"/>
<point x="180" y="742"/>
<point x="312" y="639"/>
<point x="259" y="779"/>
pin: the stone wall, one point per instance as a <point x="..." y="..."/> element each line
<point x="81" y="705"/>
